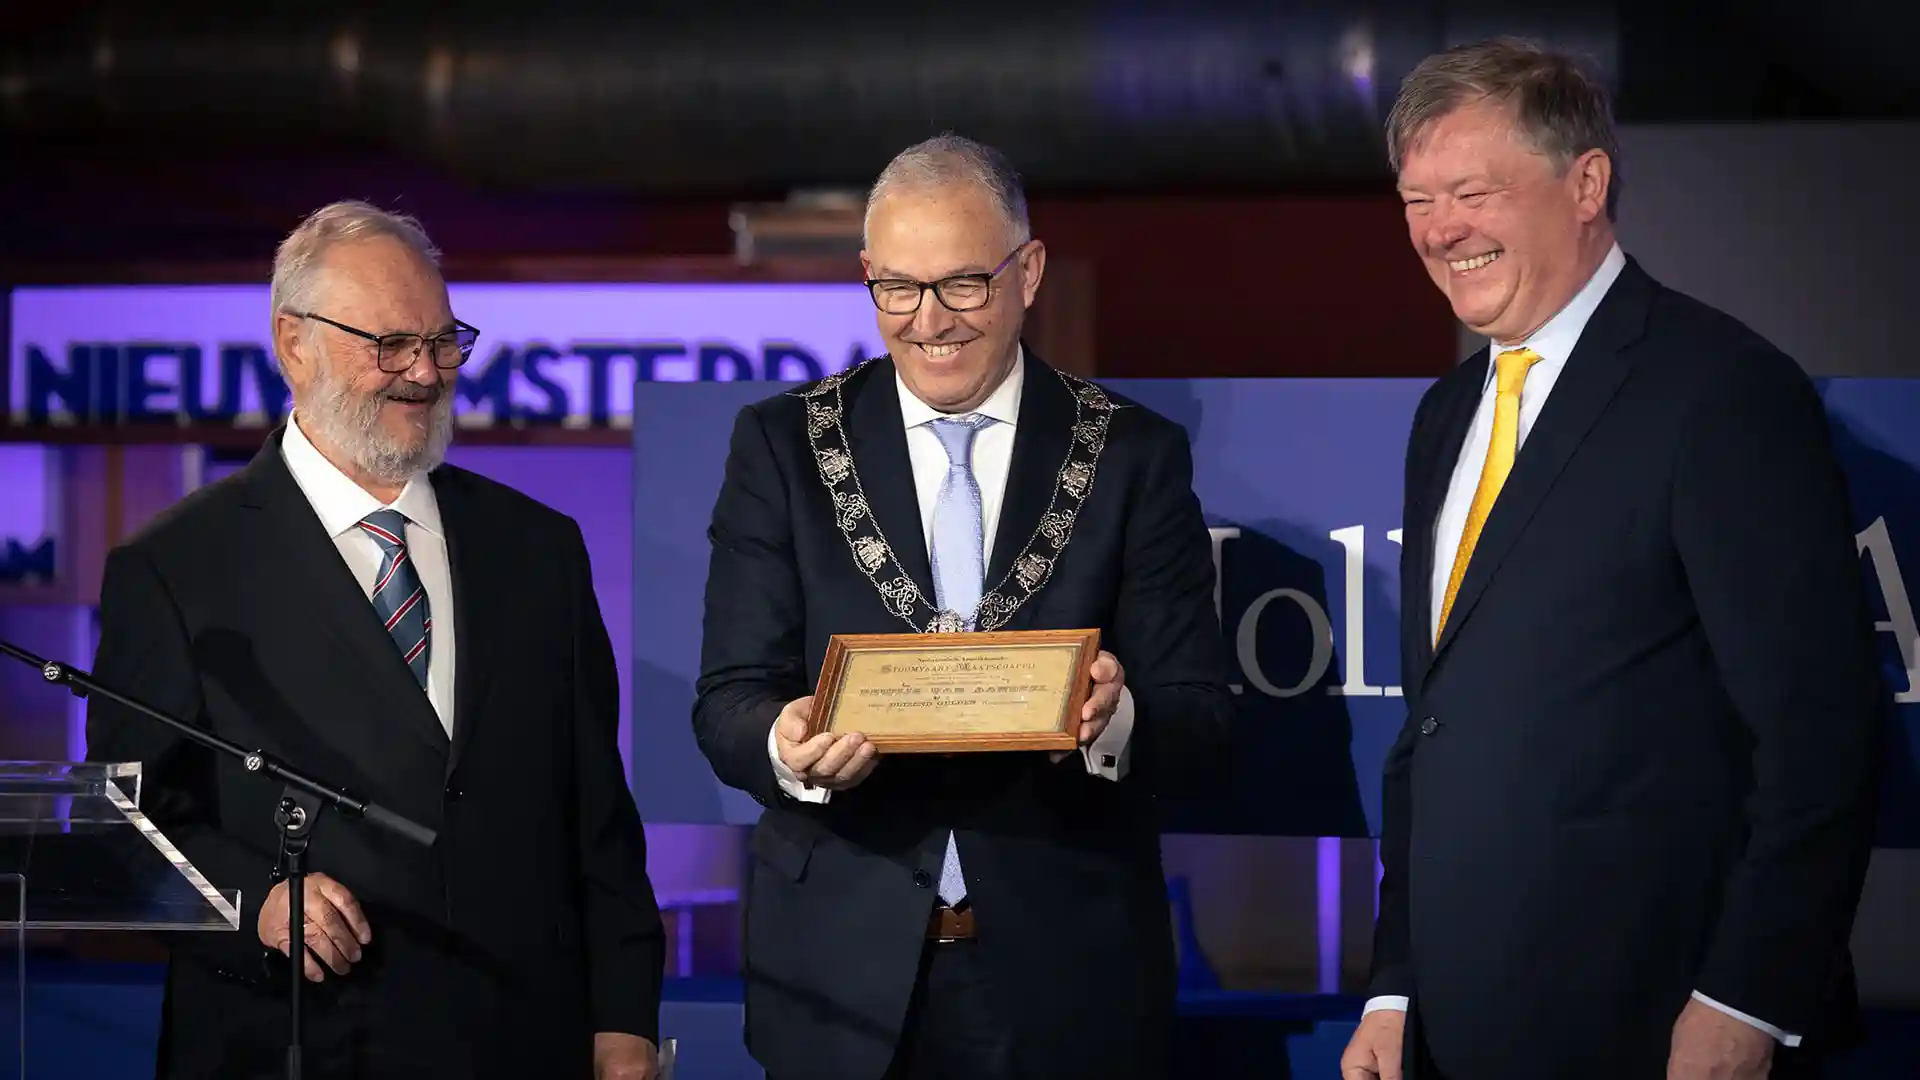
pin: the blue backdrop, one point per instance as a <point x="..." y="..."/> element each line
<point x="1300" y="481"/>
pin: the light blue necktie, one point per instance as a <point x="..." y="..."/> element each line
<point x="958" y="555"/>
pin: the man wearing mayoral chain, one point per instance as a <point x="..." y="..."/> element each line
<point x="977" y="915"/>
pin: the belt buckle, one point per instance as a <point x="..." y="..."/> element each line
<point x="941" y="915"/>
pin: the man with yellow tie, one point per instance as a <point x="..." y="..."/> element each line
<point x="1626" y="823"/>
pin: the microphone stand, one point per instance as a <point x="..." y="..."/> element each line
<point x="298" y="811"/>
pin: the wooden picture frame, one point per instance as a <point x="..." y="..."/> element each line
<point x="957" y="693"/>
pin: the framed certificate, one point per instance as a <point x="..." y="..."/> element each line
<point x="948" y="693"/>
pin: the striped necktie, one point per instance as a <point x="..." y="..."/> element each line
<point x="398" y="597"/>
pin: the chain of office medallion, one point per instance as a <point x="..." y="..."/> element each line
<point x="874" y="555"/>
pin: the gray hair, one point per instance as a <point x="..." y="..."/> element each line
<point x="954" y="159"/>
<point x="296" y="265"/>
<point x="1560" y="104"/>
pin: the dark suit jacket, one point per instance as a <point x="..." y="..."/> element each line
<point x="530" y="925"/>
<point x="1064" y="867"/>
<point x="1640" y="761"/>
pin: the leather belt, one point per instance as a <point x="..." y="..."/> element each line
<point x="946" y="924"/>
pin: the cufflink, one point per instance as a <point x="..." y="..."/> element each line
<point x="1108" y="761"/>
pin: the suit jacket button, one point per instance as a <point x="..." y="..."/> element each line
<point x="922" y="879"/>
<point x="1429" y="726"/>
<point x="454" y="793"/>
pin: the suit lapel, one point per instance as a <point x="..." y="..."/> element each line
<point x="1454" y="415"/>
<point x="321" y="592"/>
<point x="877" y="437"/>
<point x="1041" y="438"/>
<point x="1592" y="377"/>
<point x="473" y="608"/>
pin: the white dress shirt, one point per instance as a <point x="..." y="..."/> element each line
<point x="341" y="504"/>
<point x="1554" y="343"/>
<point x="992" y="460"/>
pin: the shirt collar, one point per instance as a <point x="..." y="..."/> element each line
<point x="1002" y="405"/>
<point x="1554" y="342"/>
<point x="339" y="501"/>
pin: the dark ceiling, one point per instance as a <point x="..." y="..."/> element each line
<point x="724" y="97"/>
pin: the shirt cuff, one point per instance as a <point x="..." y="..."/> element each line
<point x="1394" y="1002"/>
<point x="1110" y="755"/>
<point x="1779" y="1036"/>
<point x="789" y="782"/>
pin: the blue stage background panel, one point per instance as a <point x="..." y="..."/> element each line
<point x="1300" y="482"/>
<point x="679" y="456"/>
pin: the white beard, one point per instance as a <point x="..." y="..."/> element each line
<point x="352" y="426"/>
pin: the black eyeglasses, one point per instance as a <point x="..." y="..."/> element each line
<point x="397" y="352"/>
<point x="960" y="292"/>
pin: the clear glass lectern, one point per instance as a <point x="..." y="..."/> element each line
<point x="76" y="853"/>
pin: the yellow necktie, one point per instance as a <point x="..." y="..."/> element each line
<point x="1511" y="375"/>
